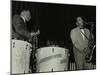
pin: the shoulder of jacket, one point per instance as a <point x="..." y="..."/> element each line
<point x="16" y="17"/>
<point x="74" y="29"/>
<point x="87" y="29"/>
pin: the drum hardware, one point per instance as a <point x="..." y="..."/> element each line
<point x="52" y="70"/>
<point x="24" y="71"/>
<point x="13" y="44"/>
<point x="26" y="46"/>
<point x="64" y="69"/>
<point x="52" y="50"/>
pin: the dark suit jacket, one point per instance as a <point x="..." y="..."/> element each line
<point x="19" y="29"/>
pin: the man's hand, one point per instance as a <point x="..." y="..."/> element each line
<point x="35" y="33"/>
<point x="38" y="32"/>
<point x="86" y="52"/>
<point x="32" y="33"/>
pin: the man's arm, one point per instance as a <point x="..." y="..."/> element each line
<point x="75" y="41"/>
<point x="19" y="28"/>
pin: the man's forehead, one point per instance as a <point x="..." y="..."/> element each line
<point x="25" y="12"/>
<point x="79" y="17"/>
<point x="28" y="11"/>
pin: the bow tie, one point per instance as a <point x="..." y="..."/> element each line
<point x="81" y="28"/>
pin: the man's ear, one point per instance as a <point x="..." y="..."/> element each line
<point x="77" y="23"/>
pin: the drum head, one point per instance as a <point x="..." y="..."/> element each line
<point x="52" y="59"/>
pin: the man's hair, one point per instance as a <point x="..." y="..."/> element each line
<point x="78" y="17"/>
<point x="23" y="12"/>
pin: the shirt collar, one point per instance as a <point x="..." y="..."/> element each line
<point x="23" y="19"/>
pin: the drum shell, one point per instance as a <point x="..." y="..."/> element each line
<point x="52" y="59"/>
<point x="20" y="56"/>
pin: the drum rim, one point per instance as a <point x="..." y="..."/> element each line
<point x="51" y="47"/>
<point x="14" y="40"/>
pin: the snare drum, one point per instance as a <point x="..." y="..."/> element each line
<point x="20" y="56"/>
<point x="51" y="59"/>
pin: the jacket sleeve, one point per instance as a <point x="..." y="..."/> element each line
<point x="20" y="29"/>
<point x="91" y="36"/>
<point x="75" y="41"/>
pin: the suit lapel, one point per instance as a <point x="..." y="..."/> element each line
<point x="79" y="34"/>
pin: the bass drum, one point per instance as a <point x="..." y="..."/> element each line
<point x="51" y="59"/>
<point x="20" y="56"/>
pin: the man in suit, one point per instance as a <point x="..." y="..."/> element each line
<point x="19" y="28"/>
<point x="19" y="35"/>
<point x="79" y="37"/>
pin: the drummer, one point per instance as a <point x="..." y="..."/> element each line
<point x="19" y="28"/>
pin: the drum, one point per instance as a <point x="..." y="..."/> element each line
<point x="20" y="56"/>
<point x="51" y="59"/>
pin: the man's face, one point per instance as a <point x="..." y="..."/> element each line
<point x="28" y="15"/>
<point x="80" y="22"/>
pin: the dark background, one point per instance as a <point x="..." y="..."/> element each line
<point x="55" y="21"/>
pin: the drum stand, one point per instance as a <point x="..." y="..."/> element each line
<point x="33" y="57"/>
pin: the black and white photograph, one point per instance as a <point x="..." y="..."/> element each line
<point x="52" y="37"/>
